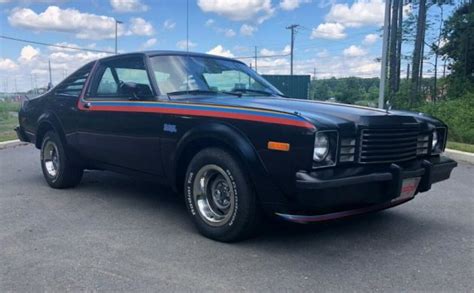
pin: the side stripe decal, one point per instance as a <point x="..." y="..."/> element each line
<point x="198" y="110"/>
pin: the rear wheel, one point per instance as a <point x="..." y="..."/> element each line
<point x="220" y="198"/>
<point x="58" y="171"/>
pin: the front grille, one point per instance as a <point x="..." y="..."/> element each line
<point x="387" y="145"/>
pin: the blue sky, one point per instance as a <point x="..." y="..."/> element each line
<point x="338" y="38"/>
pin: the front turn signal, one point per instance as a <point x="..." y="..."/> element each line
<point x="278" y="146"/>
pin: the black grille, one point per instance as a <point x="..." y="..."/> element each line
<point x="387" y="145"/>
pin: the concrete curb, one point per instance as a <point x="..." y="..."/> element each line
<point x="460" y="156"/>
<point x="11" y="144"/>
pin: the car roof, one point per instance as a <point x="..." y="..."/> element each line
<point x="167" y="53"/>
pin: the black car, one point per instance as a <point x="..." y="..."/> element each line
<point x="213" y="128"/>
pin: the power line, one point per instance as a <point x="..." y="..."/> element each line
<point x="263" y="56"/>
<point x="54" y="45"/>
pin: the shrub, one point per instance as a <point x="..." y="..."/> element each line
<point x="458" y="114"/>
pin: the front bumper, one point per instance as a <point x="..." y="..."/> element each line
<point x="323" y="196"/>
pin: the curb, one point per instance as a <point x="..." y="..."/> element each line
<point x="11" y="144"/>
<point x="460" y="156"/>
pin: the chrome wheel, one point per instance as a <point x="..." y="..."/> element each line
<point x="213" y="195"/>
<point x="51" y="158"/>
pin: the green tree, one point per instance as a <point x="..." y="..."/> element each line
<point x="459" y="49"/>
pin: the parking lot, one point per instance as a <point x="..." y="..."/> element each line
<point x="114" y="233"/>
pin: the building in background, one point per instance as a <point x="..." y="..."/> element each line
<point x="293" y="86"/>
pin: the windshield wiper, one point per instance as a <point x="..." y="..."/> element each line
<point x="253" y="91"/>
<point x="202" y="92"/>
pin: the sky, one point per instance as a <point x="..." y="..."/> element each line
<point x="335" y="38"/>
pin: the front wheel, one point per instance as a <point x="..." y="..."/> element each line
<point x="219" y="197"/>
<point x="58" y="170"/>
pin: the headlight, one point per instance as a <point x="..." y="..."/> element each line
<point x="434" y="141"/>
<point x="321" y="147"/>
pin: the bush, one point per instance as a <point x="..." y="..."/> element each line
<point x="458" y="114"/>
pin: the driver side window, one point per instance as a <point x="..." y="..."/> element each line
<point x="124" y="79"/>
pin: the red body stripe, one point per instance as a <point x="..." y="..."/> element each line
<point x="204" y="113"/>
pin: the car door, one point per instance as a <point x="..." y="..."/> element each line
<point x="111" y="130"/>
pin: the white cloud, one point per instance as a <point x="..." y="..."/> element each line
<point x="70" y="20"/>
<point x="229" y="33"/>
<point x="360" y="13"/>
<point x="266" y="52"/>
<point x="128" y="5"/>
<point x="291" y="4"/>
<point x="327" y="67"/>
<point x="149" y="43"/>
<point x="209" y="22"/>
<point x="141" y="27"/>
<point x="239" y="10"/>
<point x="354" y="51"/>
<point x="7" y="64"/>
<point x="329" y="30"/>
<point x="28" y="54"/>
<point x="33" y="65"/>
<point x="247" y="30"/>
<point x="182" y="45"/>
<point x="370" y="39"/>
<point x="169" y="24"/>
<point x="220" y="51"/>
<point x="323" y="53"/>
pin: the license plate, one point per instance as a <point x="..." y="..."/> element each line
<point x="409" y="187"/>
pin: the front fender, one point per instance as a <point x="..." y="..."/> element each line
<point x="225" y="135"/>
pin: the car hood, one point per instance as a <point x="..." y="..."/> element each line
<point x="321" y="114"/>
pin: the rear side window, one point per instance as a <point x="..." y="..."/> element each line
<point x="115" y="78"/>
<point x="73" y="85"/>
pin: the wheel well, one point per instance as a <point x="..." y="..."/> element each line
<point x="42" y="129"/>
<point x="191" y="150"/>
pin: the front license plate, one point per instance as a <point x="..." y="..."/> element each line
<point x="409" y="187"/>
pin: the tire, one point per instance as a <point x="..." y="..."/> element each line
<point x="234" y="219"/>
<point x="58" y="171"/>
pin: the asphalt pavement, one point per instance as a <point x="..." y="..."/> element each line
<point x="114" y="233"/>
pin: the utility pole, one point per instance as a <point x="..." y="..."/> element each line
<point x="293" y="28"/>
<point x="117" y="22"/>
<point x="314" y="73"/>
<point x="255" y="58"/>
<point x="383" y="67"/>
<point x="408" y="71"/>
<point x="32" y="85"/>
<point x="50" y="85"/>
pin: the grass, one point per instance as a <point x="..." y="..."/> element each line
<point x="8" y="120"/>
<point x="461" y="146"/>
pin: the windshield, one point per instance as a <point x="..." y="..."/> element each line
<point x="180" y="74"/>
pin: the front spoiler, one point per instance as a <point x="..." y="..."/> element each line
<point x="302" y="219"/>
